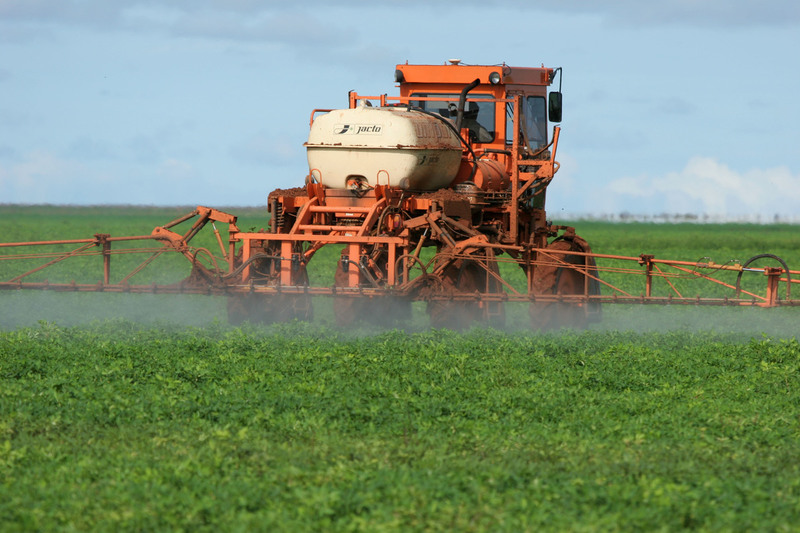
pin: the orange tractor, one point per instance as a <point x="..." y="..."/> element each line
<point x="458" y="163"/>
<point x="436" y="195"/>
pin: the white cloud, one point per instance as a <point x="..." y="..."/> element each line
<point x="95" y="13"/>
<point x="173" y="171"/>
<point x="91" y="148"/>
<point x="699" y="13"/>
<point x="242" y="18"/>
<point x="265" y="148"/>
<point x="270" y="22"/>
<point x="264" y="26"/>
<point x="706" y="186"/>
<point x="41" y="177"/>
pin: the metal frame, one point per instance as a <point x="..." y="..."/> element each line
<point x="657" y="275"/>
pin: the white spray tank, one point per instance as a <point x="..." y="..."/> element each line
<point x="382" y="146"/>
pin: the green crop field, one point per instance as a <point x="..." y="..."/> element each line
<point x="150" y="412"/>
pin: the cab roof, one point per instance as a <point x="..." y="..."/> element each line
<point x="454" y="72"/>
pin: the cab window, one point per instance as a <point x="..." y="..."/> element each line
<point x="534" y="118"/>
<point x="536" y="121"/>
<point x="478" y="114"/>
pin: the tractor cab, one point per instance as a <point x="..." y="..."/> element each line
<point x="480" y="100"/>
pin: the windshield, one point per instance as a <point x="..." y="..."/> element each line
<point x="478" y="115"/>
<point x="534" y="121"/>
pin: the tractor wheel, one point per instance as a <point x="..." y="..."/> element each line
<point x="270" y="308"/>
<point x="466" y="277"/>
<point x="564" y="277"/>
<point x="381" y="311"/>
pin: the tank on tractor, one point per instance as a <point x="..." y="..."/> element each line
<point x="367" y="146"/>
<point x="424" y="193"/>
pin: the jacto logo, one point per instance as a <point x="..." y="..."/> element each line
<point x="357" y="129"/>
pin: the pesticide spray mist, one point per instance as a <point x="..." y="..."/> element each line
<point x="29" y="308"/>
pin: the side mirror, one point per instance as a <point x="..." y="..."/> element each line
<point x="554" y="111"/>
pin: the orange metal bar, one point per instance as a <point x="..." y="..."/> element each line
<point x="372" y="216"/>
<point x="339" y="209"/>
<point x="106" y="258"/>
<point x="649" y="273"/>
<point x="665" y="278"/>
<point x="183" y="218"/>
<point x="306" y="228"/>
<point x="54" y="261"/>
<point x="391" y="274"/>
<point x="304" y="215"/>
<point x="353" y="272"/>
<point x="143" y="264"/>
<point x="246" y="252"/>
<point x="286" y="263"/>
<point x="585" y="272"/>
<point x="328" y="239"/>
<point x="556" y="135"/>
<point x="44" y="243"/>
<point x="491" y="274"/>
<point x="314" y="112"/>
<point x="774" y="275"/>
<point x="219" y="241"/>
<point x="709" y="278"/>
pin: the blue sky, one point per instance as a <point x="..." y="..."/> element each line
<point x="675" y="106"/>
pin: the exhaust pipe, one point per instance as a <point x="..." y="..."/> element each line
<point x="462" y="100"/>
